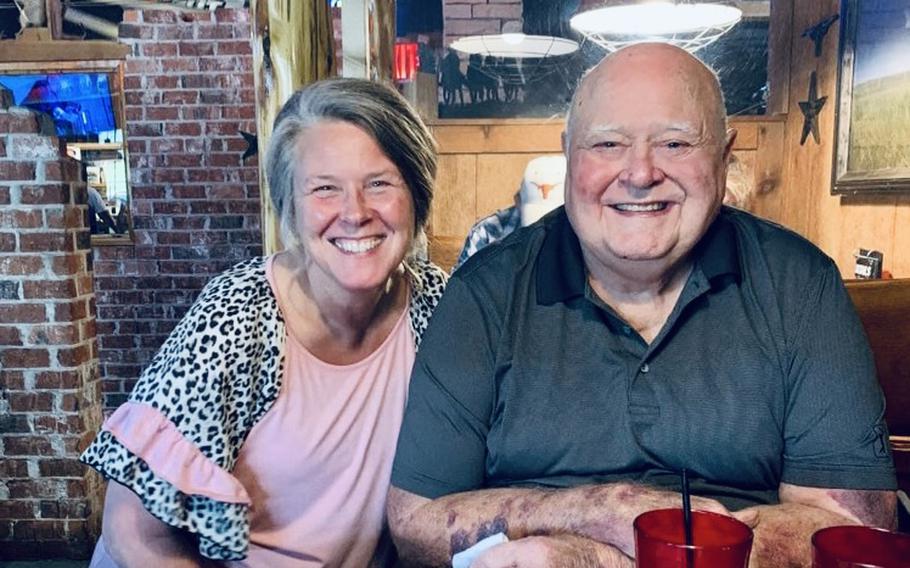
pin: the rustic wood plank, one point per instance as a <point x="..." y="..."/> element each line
<point x="454" y="204"/>
<point x="768" y="171"/>
<point x="498" y="138"/>
<point x="444" y="251"/>
<point x="292" y="46"/>
<point x="498" y="179"/>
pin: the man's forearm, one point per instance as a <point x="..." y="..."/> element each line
<point x="430" y="532"/>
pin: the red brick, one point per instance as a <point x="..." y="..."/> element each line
<point x="234" y="48"/>
<point x="218" y="31"/>
<point x="196" y="48"/>
<point x="50" y="193"/>
<point x="128" y="31"/>
<point x="45" y="242"/>
<point x="22" y="313"/>
<point x="66" y="334"/>
<point x="15" y="424"/>
<point x="169" y="33"/>
<point x="74" y="356"/>
<point x="61" y="468"/>
<point x="43" y="289"/>
<point x="20" y="265"/>
<point x="27" y="446"/>
<point x="68" y="264"/>
<point x="17" y="510"/>
<point x="70" y="311"/>
<point x="12" y="380"/>
<point x="21" y="218"/>
<point x="2" y="148"/>
<point x="231" y="15"/>
<point x="239" y="112"/>
<point x="64" y="509"/>
<point x="13" y="468"/>
<point x="32" y="147"/>
<point x="184" y="129"/>
<point x="177" y="65"/>
<point x="31" y="401"/>
<point x="159" y="16"/>
<point x="162" y="113"/>
<point x="159" y="49"/>
<point x="66" y="217"/>
<point x="40" y="530"/>
<point x="57" y="380"/>
<point x="24" y="358"/>
<point x="8" y="242"/>
<point x="4" y="195"/>
<point x="10" y="336"/>
<point x="18" y="121"/>
<point x="17" y="171"/>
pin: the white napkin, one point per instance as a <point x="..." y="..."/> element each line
<point x="465" y="558"/>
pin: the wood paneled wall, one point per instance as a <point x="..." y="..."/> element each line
<point x="482" y="162"/>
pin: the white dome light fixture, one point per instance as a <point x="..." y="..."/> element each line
<point x="690" y="25"/>
<point x="520" y="58"/>
<point x="516" y="45"/>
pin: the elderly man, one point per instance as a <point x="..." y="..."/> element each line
<point x="571" y="372"/>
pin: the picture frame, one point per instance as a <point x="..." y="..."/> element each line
<point x="872" y="146"/>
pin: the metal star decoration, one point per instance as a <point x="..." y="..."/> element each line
<point x="818" y="32"/>
<point x="252" y="144"/>
<point x="811" y="107"/>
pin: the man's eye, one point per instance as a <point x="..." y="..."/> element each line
<point x="607" y="144"/>
<point x="676" y="145"/>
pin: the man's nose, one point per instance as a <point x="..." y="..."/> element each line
<point x="641" y="171"/>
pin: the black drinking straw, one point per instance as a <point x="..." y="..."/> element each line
<point x="687" y="515"/>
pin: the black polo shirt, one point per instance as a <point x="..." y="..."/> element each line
<point x="761" y="375"/>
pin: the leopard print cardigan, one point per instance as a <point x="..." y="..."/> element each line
<point x="214" y="378"/>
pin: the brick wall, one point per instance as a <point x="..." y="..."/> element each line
<point x="50" y="400"/>
<point x="471" y="17"/>
<point x="189" y="90"/>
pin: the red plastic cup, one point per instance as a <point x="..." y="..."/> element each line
<point x="860" y="547"/>
<point x="718" y="541"/>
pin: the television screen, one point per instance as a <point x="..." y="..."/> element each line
<point x="79" y="103"/>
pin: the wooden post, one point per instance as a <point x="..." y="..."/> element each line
<point x="292" y="46"/>
<point x="368" y="39"/>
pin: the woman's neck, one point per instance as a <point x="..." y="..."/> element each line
<point x="339" y="325"/>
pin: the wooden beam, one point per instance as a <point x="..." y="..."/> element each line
<point x="292" y="46"/>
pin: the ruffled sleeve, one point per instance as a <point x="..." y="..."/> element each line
<point x="142" y="450"/>
<point x="176" y="440"/>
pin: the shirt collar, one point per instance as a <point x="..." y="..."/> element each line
<point x="561" y="273"/>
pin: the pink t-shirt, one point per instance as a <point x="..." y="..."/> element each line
<point x="316" y="467"/>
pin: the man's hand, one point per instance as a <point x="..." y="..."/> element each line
<point x="557" y="551"/>
<point x="783" y="533"/>
<point x="611" y="510"/>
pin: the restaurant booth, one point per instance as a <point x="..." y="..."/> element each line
<point x="130" y="173"/>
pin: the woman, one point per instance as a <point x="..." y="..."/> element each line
<point x="265" y="427"/>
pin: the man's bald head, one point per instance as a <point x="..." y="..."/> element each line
<point x="654" y="65"/>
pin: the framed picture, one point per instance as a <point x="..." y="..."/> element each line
<point x="872" y="150"/>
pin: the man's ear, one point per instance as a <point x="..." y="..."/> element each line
<point x="728" y="145"/>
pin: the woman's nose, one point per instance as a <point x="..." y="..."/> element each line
<point x="354" y="207"/>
